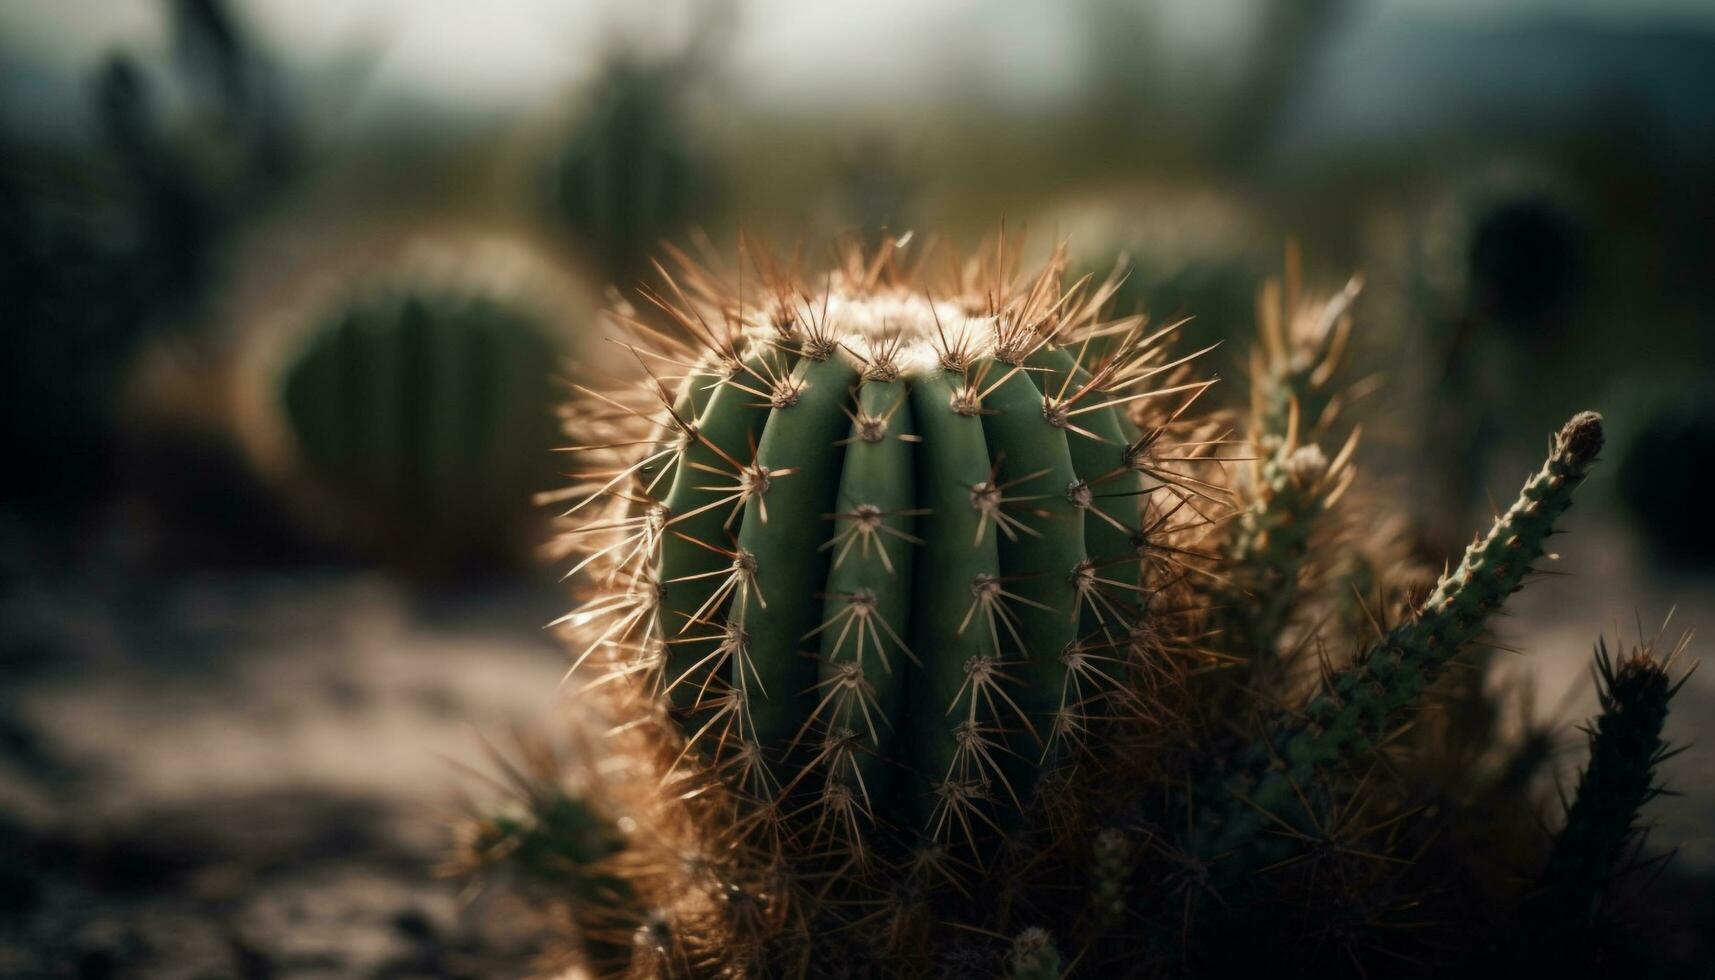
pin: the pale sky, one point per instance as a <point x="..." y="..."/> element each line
<point x="504" y="54"/>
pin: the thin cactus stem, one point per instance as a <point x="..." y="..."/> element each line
<point x="1364" y="702"/>
<point x="1626" y="747"/>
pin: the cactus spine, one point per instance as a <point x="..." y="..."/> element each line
<point x="913" y="486"/>
<point x="909" y="611"/>
<point x="1364" y="702"/>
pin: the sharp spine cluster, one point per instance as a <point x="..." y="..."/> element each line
<point x="920" y="604"/>
<point x="1626" y="749"/>
<point x="1364" y="702"/>
<point x="840" y="491"/>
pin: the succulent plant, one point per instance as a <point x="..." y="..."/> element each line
<point x="1626" y="747"/>
<point x="119" y="247"/>
<point x="629" y="175"/>
<point x="1185" y="254"/>
<point x="411" y="409"/>
<point x="935" y="635"/>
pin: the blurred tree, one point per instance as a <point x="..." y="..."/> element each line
<point x="1506" y="265"/>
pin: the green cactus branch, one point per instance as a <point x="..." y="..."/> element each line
<point x="1364" y="702"/>
<point x="1626" y="748"/>
<point x="1295" y="394"/>
<point x="1294" y="487"/>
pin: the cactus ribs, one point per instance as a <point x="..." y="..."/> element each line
<point x="934" y="634"/>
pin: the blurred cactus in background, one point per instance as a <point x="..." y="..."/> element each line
<point x="1563" y="919"/>
<point x="634" y="170"/>
<point x="878" y="187"/>
<point x="1189" y="255"/>
<point x="1666" y="460"/>
<point x="191" y="179"/>
<point x="936" y="638"/>
<point x="630" y="175"/>
<point x="95" y="259"/>
<point x="409" y="409"/>
<point x="1493" y="277"/>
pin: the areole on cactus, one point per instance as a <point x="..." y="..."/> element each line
<point x="937" y="635"/>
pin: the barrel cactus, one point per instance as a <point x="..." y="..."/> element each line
<point x="629" y="174"/>
<point x="935" y="632"/>
<point x="410" y="412"/>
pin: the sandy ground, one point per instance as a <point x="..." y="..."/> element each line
<point x="250" y="774"/>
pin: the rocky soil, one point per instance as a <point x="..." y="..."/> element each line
<point x="249" y="772"/>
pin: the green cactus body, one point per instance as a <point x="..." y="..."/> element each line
<point x="796" y="478"/>
<point x="1625" y="749"/>
<point x="958" y="551"/>
<point x="861" y="681"/>
<point x="627" y="177"/>
<point x="1364" y="701"/>
<point x="1111" y="511"/>
<point x="896" y="652"/>
<point x="1040" y="562"/>
<point x="898" y="578"/>
<point x="701" y="527"/>
<point x="420" y="415"/>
